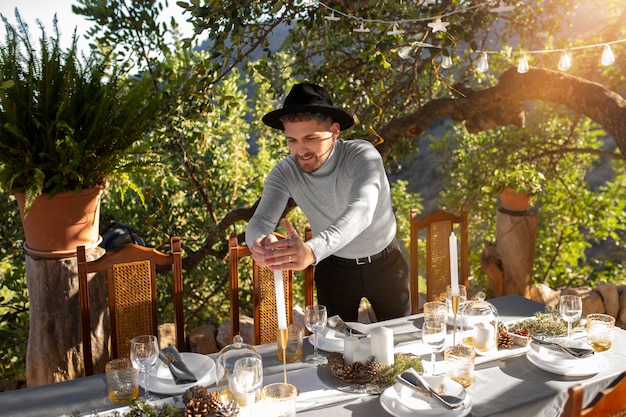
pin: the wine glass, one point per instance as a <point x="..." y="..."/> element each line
<point x="246" y="379"/>
<point x="144" y="352"/>
<point x="434" y="338"/>
<point x="315" y="320"/>
<point x="571" y="307"/>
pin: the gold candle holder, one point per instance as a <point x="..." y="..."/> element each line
<point x="283" y="339"/>
<point x="455" y="309"/>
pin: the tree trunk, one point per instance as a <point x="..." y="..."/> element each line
<point x="54" y="350"/>
<point x="509" y="263"/>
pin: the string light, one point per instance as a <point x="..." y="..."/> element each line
<point x="565" y="62"/>
<point x="607" y="55"/>
<point x="522" y="67"/>
<point x="483" y="63"/>
<point x="436" y="24"/>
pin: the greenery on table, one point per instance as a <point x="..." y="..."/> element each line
<point x="140" y="408"/>
<point x="548" y="323"/>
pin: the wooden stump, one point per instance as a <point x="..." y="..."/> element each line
<point x="54" y="350"/>
<point x="509" y="263"/>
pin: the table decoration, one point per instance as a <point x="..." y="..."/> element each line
<point x="454" y="281"/>
<point x="548" y="323"/>
<point x="370" y="376"/>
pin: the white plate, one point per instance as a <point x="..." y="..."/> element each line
<point x="560" y="363"/>
<point x="401" y="401"/>
<point x="162" y="382"/>
<point x="329" y="342"/>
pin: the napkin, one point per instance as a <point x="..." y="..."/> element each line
<point x="180" y="372"/>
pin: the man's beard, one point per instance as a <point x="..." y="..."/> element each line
<point x="312" y="165"/>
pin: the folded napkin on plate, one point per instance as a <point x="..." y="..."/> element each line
<point x="180" y="372"/>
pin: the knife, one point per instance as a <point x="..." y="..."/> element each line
<point x="575" y="352"/>
<point x="337" y="324"/>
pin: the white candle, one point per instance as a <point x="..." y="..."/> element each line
<point x="365" y="344"/>
<point x="280" y="300"/>
<point x="350" y="347"/>
<point x="361" y="356"/>
<point x="382" y="345"/>
<point x="454" y="266"/>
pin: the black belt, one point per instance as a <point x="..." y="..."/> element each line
<point x="368" y="259"/>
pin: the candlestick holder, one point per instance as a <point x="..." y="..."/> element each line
<point x="455" y="310"/>
<point x="283" y="339"/>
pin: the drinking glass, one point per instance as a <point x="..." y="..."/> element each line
<point x="144" y="352"/>
<point x="246" y="380"/>
<point x="434" y="338"/>
<point x="571" y="307"/>
<point x="315" y="320"/>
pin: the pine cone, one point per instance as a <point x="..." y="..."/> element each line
<point x="197" y="391"/>
<point x="214" y="402"/>
<point x="505" y="341"/>
<point x="372" y="368"/>
<point x="197" y="407"/>
<point x="230" y="409"/>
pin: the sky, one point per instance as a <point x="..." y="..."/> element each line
<point x="44" y="10"/>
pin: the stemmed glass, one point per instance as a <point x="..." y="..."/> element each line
<point x="434" y="338"/>
<point x="247" y="378"/>
<point x="571" y="307"/>
<point x="456" y="307"/>
<point x="144" y="352"/>
<point x="315" y="320"/>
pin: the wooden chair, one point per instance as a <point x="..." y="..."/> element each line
<point x="610" y="402"/>
<point x="436" y="228"/>
<point x="131" y="272"/>
<point x="263" y="293"/>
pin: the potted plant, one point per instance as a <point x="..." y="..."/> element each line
<point x="67" y="125"/>
<point x="517" y="185"/>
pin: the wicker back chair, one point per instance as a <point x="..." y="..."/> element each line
<point x="437" y="227"/>
<point x="610" y="402"/>
<point x="131" y="281"/>
<point x="263" y="293"/>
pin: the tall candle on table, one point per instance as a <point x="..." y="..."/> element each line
<point x="454" y="266"/>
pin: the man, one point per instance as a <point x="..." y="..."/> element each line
<point x="342" y="188"/>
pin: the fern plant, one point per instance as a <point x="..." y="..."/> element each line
<point x="67" y="123"/>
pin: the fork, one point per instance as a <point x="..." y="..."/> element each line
<point x="575" y="352"/>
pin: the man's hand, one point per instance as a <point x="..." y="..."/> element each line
<point x="278" y="254"/>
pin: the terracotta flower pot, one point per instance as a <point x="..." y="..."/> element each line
<point x="55" y="226"/>
<point x="515" y="201"/>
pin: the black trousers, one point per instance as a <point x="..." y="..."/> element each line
<point x="341" y="284"/>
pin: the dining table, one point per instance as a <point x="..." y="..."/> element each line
<point x="506" y="384"/>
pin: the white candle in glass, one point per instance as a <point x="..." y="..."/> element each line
<point x="382" y="345"/>
<point x="280" y="300"/>
<point x="454" y="266"/>
<point x="350" y="347"/>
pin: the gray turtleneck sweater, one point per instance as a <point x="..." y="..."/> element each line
<point x="347" y="202"/>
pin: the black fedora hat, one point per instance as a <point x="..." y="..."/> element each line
<point x="311" y="98"/>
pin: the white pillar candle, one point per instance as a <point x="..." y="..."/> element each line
<point x="365" y="344"/>
<point x="350" y="347"/>
<point x="454" y="266"/>
<point x="361" y="356"/>
<point x="280" y="300"/>
<point x="382" y="345"/>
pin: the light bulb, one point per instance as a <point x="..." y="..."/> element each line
<point x="446" y="62"/>
<point x="565" y="62"/>
<point x="522" y="67"/>
<point x="607" y="55"/>
<point x="483" y="63"/>
<point x="405" y="52"/>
